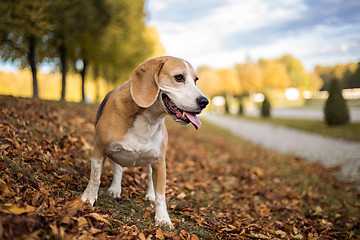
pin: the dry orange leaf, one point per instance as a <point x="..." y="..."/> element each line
<point x="16" y="209"/>
<point x="97" y="217"/>
<point x="159" y="234"/>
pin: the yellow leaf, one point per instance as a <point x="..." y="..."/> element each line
<point x="54" y="229"/>
<point x="97" y="217"/>
<point x="142" y="236"/>
<point x="281" y="233"/>
<point x="181" y="196"/>
<point x="82" y="222"/>
<point x="85" y="237"/>
<point x="65" y="220"/>
<point x="159" y="234"/>
<point x="318" y="210"/>
<point x="168" y="234"/>
<point x="73" y="206"/>
<point x="94" y="230"/>
<point x="193" y="237"/>
<point x="4" y="146"/>
<point x="18" y="210"/>
<point x="3" y="186"/>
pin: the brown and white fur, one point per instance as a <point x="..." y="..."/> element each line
<point x="130" y="129"/>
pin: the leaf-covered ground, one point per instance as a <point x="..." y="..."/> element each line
<point x="218" y="186"/>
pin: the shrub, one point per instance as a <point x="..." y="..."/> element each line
<point x="226" y="107"/>
<point x="265" y="108"/>
<point x="241" y="109"/>
<point x="336" y="110"/>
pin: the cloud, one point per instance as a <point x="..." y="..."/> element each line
<point x="207" y="35"/>
<point x="157" y="6"/>
<point x="222" y="33"/>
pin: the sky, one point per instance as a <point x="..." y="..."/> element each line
<point x="222" y="33"/>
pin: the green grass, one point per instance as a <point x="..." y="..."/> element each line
<point x="350" y="131"/>
<point x="16" y="166"/>
<point x="125" y="210"/>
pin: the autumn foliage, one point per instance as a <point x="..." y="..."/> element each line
<point x="218" y="186"/>
<point x="262" y="76"/>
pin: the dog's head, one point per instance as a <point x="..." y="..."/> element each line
<point x="173" y="82"/>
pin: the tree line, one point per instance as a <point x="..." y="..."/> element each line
<point x="348" y="75"/>
<point x="267" y="76"/>
<point x="262" y="76"/>
<point x="108" y="37"/>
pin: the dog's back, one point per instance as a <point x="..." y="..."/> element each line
<point x="102" y="105"/>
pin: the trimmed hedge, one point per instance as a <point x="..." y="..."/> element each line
<point x="265" y="108"/>
<point x="336" y="110"/>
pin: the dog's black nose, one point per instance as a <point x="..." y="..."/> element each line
<point x="202" y="101"/>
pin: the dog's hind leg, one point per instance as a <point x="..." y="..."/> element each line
<point x="115" y="188"/>
<point x="91" y="191"/>
<point x="150" y="195"/>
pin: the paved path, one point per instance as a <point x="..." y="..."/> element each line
<point x="303" y="113"/>
<point x="313" y="147"/>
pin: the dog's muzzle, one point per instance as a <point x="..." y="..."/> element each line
<point x="182" y="116"/>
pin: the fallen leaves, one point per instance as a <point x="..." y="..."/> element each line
<point x="216" y="188"/>
<point x="98" y="217"/>
<point x="17" y="209"/>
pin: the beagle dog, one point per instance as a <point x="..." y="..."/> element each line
<point x="130" y="128"/>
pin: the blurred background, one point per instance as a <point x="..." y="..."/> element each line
<point x="244" y="51"/>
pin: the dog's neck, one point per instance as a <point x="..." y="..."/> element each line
<point x="155" y="113"/>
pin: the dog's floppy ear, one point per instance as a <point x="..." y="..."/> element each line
<point x="144" y="82"/>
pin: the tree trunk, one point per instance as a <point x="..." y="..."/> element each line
<point x="96" y="77"/>
<point x="83" y="73"/>
<point x="63" y="62"/>
<point x="97" y="93"/>
<point x="32" y="62"/>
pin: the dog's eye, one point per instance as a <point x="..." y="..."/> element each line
<point x="179" y="78"/>
<point x="196" y="79"/>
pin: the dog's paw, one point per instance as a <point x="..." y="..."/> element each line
<point x="164" y="220"/>
<point x="115" y="192"/>
<point x="89" y="195"/>
<point x="150" y="196"/>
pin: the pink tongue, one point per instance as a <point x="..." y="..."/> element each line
<point x="193" y="119"/>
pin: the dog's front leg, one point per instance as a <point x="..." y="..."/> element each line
<point x="91" y="191"/>
<point x="159" y="179"/>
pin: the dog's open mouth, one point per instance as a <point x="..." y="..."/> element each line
<point x="181" y="115"/>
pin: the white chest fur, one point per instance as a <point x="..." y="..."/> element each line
<point x="141" y="144"/>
